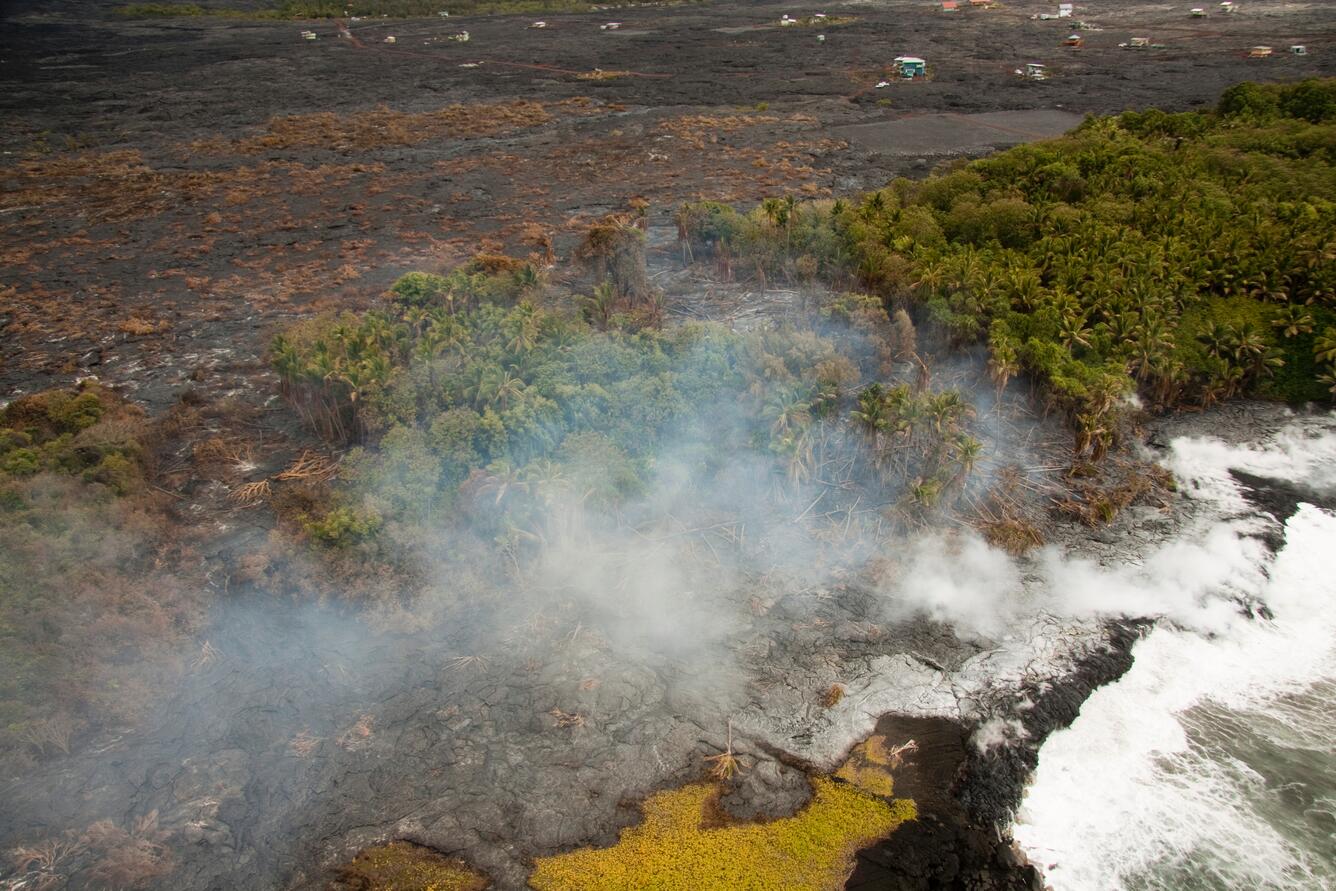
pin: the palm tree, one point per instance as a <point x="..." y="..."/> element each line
<point x="1003" y="362"/>
<point x="1324" y="346"/>
<point x="946" y="410"/>
<point x="931" y="277"/>
<point x="1072" y="330"/>
<point x="502" y="479"/>
<point x="789" y="409"/>
<point x="1153" y="340"/>
<point x="1216" y="338"/>
<point x="797" y="448"/>
<point x="1329" y="378"/>
<point x="870" y="415"/>
<point x="523" y="322"/>
<point x="599" y="307"/>
<point x="508" y="387"/>
<point x="1246" y="345"/>
<point x="967" y="450"/>
<point x="546" y="478"/>
<point x="926" y="493"/>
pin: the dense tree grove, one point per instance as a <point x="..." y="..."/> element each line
<point x="469" y="399"/>
<point x="1184" y="257"/>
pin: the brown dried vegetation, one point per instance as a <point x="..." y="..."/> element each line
<point x="132" y="858"/>
<point x="90" y="551"/>
<point x="1095" y="495"/>
<point x="382" y="127"/>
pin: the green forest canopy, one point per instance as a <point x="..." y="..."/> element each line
<point x="1185" y="256"/>
<point x="468" y="387"/>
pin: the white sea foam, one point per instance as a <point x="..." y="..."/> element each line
<point x="1208" y="765"/>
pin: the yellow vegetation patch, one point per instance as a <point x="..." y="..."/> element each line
<point x="600" y="74"/>
<point x="869" y="766"/>
<point x="140" y="327"/>
<point x="810" y="851"/>
<point x="403" y="866"/>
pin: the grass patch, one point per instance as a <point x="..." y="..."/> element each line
<point x="872" y="763"/>
<point x="86" y="432"/>
<point x="810" y="851"/>
<point x="601" y="74"/>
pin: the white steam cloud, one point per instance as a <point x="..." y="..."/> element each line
<point x="1195" y="580"/>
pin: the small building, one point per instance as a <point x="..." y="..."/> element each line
<point x="1259" y="52"/>
<point x="1036" y="71"/>
<point x="1227" y="6"/>
<point x="1074" y="40"/>
<point x="950" y="5"/>
<point x="1064" y="10"/>
<point x="1138" y="42"/>
<point x="390" y="39"/>
<point x="910" y="67"/>
<point x="1299" y="50"/>
<point x="981" y="4"/>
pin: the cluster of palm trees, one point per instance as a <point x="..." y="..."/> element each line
<point x="1190" y="258"/>
<point x="780" y="239"/>
<point x="326" y="369"/>
<point x="484" y="396"/>
<point x="918" y="436"/>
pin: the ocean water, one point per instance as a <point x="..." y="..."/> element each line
<point x="1212" y="763"/>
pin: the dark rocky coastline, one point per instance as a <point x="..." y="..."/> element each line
<point x="967" y="797"/>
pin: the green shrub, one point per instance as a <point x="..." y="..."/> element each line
<point x="116" y="472"/>
<point x="420" y="289"/>
<point x="20" y="462"/>
<point x="73" y="432"/>
<point x="343" y="527"/>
